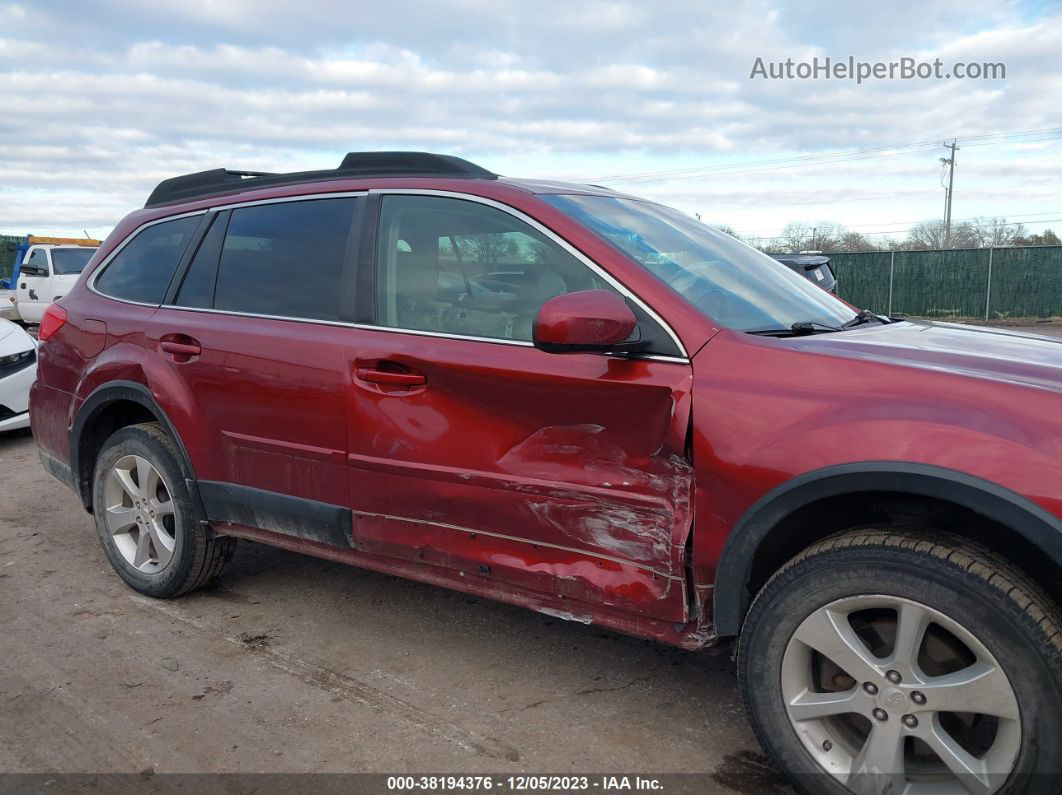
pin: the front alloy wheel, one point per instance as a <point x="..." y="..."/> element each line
<point x="884" y="690"/>
<point x="898" y="663"/>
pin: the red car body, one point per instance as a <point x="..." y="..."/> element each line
<point x="650" y="496"/>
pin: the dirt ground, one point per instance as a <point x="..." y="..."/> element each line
<point x="292" y="664"/>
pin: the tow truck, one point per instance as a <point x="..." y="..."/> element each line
<point x="44" y="269"/>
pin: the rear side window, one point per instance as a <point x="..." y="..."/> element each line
<point x="197" y="289"/>
<point x="69" y="261"/>
<point x="285" y="259"/>
<point x="142" y="270"/>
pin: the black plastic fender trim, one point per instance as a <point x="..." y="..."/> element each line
<point x="731" y="594"/>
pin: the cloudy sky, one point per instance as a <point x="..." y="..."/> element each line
<point x="101" y="100"/>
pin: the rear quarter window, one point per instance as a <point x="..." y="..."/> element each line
<point x="142" y="269"/>
<point x="285" y="259"/>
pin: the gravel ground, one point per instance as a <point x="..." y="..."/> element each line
<point x="293" y="664"/>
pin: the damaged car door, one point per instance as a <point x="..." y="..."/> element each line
<point x="471" y="450"/>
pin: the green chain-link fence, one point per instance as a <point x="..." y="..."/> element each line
<point x="968" y="283"/>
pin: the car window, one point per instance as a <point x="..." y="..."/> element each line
<point x="36" y="263"/>
<point x="197" y="288"/>
<point x="68" y="261"/>
<point x="285" y="259"/>
<point x="727" y="280"/>
<point x="460" y="267"/>
<point x="142" y="269"/>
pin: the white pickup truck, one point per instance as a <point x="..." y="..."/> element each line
<point x="43" y="273"/>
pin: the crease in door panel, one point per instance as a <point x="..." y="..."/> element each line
<point x="648" y="534"/>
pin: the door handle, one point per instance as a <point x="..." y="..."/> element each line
<point x="375" y="376"/>
<point x="180" y="348"/>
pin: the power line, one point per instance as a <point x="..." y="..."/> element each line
<point x="902" y="231"/>
<point x="821" y="158"/>
<point x="810" y="157"/>
<point x="995" y="189"/>
<point x="699" y="169"/>
<point x="1027" y="218"/>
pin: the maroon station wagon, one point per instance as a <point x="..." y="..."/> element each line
<point x="594" y="406"/>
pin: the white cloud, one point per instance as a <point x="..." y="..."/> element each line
<point x="105" y="101"/>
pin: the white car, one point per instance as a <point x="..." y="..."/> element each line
<point x="18" y="371"/>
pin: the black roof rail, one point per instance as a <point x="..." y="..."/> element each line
<point x="220" y="181"/>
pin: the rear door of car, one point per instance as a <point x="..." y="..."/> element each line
<point x="253" y="340"/>
<point x="470" y="449"/>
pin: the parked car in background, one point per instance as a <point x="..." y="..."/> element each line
<point x="44" y="270"/>
<point x="596" y="407"/>
<point x="812" y="266"/>
<point x="18" y="370"/>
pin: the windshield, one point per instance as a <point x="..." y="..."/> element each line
<point x="730" y="282"/>
<point x="70" y="260"/>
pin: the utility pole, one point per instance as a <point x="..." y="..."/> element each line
<point x="949" y="163"/>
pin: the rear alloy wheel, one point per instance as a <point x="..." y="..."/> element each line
<point x="148" y="524"/>
<point x="140" y="514"/>
<point x="892" y="664"/>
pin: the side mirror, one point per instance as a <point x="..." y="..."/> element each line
<point x="589" y="320"/>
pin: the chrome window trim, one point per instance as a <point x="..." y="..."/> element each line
<point x="282" y="199"/>
<point x="549" y="233"/>
<point x="684" y="359"/>
<point x="415" y="332"/>
<point x="91" y="284"/>
<point x="212" y="209"/>
<point x="343" y="324"/>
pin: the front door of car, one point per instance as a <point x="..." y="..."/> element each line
<point x="563" y="474"/>
<point x="251" y="336"/>
<point x="34" y="291"/>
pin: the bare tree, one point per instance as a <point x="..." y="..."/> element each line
<point x="541" y="252"/>
<point x="995" y="231"/>
<point x="487" y="249"/>
<point x="771" y="247"/>
<point x="825" y="234"/>
<point x="852" y="241"/>
<point x="1045" y="238"/>
<point x="803" y="236"/>
<point x="795" y="236"/>
<point x="931" y="234"/>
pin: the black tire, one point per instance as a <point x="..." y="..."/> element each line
<point x="198" y="556"/>
<point x="1005" y="611"/>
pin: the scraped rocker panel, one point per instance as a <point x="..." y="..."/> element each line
<point x="280" y="513"/>
<point x="561" y="573"/>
